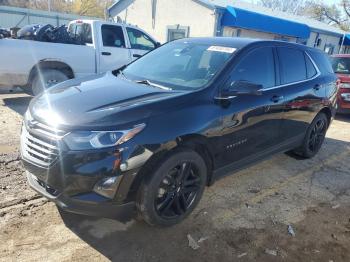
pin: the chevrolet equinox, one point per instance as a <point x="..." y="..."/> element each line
<point x="144" y="140"/>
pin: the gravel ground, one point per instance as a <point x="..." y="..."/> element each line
<point x="243" y="217"/>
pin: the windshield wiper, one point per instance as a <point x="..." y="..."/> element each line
<point x="149" y="83"/>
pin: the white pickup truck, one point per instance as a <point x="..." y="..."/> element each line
<point x="35" y="65"/>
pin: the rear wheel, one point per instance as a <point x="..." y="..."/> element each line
<point x="46" y="78"/>
<point x="174" y="189"/>
<point x="314" y="137"/>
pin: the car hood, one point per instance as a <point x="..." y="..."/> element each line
<point x="100" y="101"/>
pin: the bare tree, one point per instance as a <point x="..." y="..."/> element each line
<point x="331" y="14"/>
<point x="95" y="8"/>
<point x="338" y="15"/>
<point x="289" y="6"/>
<point x="56" y="5"/>
<point x="91" y="7"/>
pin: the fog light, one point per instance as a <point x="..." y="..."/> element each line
<point x="107" y="186"/>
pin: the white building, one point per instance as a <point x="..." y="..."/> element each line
<point x="167" y="20"/>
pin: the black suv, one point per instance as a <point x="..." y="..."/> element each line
<point x="148" y="138"/>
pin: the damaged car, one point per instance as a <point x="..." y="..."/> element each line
<point x="145" y="140"/>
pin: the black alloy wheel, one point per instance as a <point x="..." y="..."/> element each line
<point x="317" y="135"/>
<point x="314" y="137"/>
<point x="177" y="191"/>
<point x="172" y="187"/>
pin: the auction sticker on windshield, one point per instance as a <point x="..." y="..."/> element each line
<point x="223" y="49"/>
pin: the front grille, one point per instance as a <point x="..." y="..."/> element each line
<point x="39" y="143"/>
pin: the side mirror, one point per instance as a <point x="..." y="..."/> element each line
<point x="158" y="44"/>
<point x="243" y="88"/>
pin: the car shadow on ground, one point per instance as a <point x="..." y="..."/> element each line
<point x="343" y="117"/>
<point x="137" y="241"/>
<point x="131" y="241"/>
<point x="18" y="104"/>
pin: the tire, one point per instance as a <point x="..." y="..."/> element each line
<point x="47" y="78"/>
<point x="173" y="189"/>
<point x="314" y="137"/>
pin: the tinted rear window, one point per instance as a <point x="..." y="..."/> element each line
<point x="322" y="61"/>
<point x="292" y="64"/>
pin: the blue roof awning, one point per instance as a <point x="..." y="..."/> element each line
<point x="241" y="18"/>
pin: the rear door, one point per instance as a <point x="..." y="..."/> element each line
<point x="113" y="49"/>
<point x="140" y="42"/>
<point x="251" y="123"/>
<point x="303" y="90"/>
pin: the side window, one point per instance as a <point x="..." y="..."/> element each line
<point x="139" y="40"/>
<point x="310" y="68"/>
<point x="322" y="61"/>
<point x="292" y="64"/>
<point x="81" y="31"/>
<point x="257" y="67"/>
<point x="112" y="36"/>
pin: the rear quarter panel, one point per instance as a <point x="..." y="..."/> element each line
<point x="20" y="56"/>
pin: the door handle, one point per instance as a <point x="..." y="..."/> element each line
<point x="106" y="53"/>
<point x="276" y="98"/>
<point x="136" y="55"/>
<point x="317" y="87"/>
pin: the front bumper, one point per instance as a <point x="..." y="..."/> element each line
<point x="70" y="181"/>
<point x="98" y="182"/>
<point x="88" y="204"/>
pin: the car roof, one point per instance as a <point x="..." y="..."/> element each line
<point x="241" y="42"/>
<point x="237" y="42"/>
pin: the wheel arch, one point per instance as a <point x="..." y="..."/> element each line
<point x="50" y="64"/>
<point x="328" y="112"/>
<point x="195" y="142"/>
<point x="200" y="145"/>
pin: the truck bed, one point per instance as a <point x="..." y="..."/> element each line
<point x="19" y="57"/>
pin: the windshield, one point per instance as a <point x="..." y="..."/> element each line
<point x="341" y="65"/>
<point x="180" y="65"/>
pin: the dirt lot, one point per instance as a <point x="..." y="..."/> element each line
<point x="243" y="217"/>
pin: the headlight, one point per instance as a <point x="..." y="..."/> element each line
<point x="83" y="140"/>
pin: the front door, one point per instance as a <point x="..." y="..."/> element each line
<point x="113" y="51"/>
<point x="140" y="43"/>
<point x="251" y="123"/>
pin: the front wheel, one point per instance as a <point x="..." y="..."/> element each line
<point x="174" y="189"/>
<point x="45" y="79"/>
<point x="314" y="137"/>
